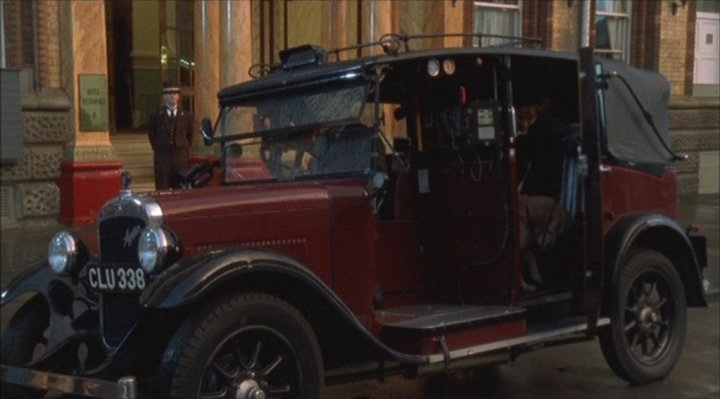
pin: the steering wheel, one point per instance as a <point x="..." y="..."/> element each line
<point x="271" y="154"/>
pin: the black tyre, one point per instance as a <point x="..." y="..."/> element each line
<point x="648" y="319"/>
<point x="250" y="346"/>
<point x="24" y="341"/>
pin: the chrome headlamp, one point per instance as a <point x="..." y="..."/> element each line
<point x="66" y="254"/>
<point x="155" y="247"/>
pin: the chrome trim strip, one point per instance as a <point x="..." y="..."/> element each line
<point x="125" y="388"/>
<point x="527" y="339"/>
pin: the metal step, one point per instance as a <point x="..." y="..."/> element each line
<point x="429" y="319"/>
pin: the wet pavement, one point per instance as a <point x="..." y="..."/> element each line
<point x="572" y="371"/>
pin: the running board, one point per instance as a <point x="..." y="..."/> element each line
<point x="536" y="335"/>
<point x="429" y="329"/>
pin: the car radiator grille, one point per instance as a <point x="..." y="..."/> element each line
<point x="119" y="239"/>
<point x="118" y="244"/>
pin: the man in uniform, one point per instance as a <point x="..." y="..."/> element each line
<point x="171" y="132"/>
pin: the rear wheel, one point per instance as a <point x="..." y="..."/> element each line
<point x="24" y="341"/>
<point x="648" y="312"/>
<point x="249" y="346"/>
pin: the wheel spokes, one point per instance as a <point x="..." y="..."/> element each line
<point x="654" y="294"/>
<point x="280" y="390"/>
<point x="644" y="345"/>
<point x="635" y="340"/>
<point x="655" y="339"/>
<point x="272" y="366"/>
<point x="662" y="302"/>
<point x="647" y="288"/>
<point x="255" y="356"/>
<point x="630" y="326"/>
<point x="229" y="375"/>
<point x="648" y="317"/>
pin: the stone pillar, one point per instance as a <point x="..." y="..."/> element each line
<point x="236" y="47"/>
<point x="454" y="12"/>
<point x="378" y="22"/>
<point x="337" y="32"/>
<point x="207" y="67"/>
<point x="235" y="41"/>
<point x="90" y="172"/>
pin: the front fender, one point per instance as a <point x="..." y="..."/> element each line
<point x="36" y="278"/>
<point x="187" y="281"/>
<point x="192" y="280"/>
<point x="659" y="233"/>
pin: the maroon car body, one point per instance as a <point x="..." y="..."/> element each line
<point x="325" y="252"/>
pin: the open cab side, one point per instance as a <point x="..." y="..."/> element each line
<point x="450" y="262"/>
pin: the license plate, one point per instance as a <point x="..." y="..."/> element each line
<point x="111" y="278"/>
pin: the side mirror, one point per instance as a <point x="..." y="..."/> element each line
<point x="207" y="131"/>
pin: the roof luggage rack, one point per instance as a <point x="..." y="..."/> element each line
<point x="391" y="43"/>
<point x="395" y="44"/>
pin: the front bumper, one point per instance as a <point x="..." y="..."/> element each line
<point x="125" y="388"/>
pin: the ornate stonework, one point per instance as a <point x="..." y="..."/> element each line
<point x="46" y="127"/>
<point x="20" y="171"/>
<point x="39" y="199"/>
<point x="46" y="161"/>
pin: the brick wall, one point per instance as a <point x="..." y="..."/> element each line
<point x="645" y="33"/>
<point x="536" y="20"/>
<point x="672" y="52"/>
<point x="48" y="42"/>
<point x="32" y="40"/>
<point x="10" y="23"/>
<point x="565" y="23"/>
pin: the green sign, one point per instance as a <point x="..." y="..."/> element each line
<point x="93" y="103"/>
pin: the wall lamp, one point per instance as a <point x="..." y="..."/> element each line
<point x="676" y="4"/>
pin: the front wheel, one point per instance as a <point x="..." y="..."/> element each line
<point x="247" y="346"/>
<point x="24" y="341"/>
<point x="648" y="313"/>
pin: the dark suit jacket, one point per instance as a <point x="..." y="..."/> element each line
<point x="171" y="139"/>
<point x="160" y="126"/>
<point x="540" y="156"/>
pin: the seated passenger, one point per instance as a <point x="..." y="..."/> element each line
<point x="542" y="144"/>
<point x="543" y="141"/>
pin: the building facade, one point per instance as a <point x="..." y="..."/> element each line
<point x="87" y="73"/>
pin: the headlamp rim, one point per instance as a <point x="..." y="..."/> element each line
<point x="164" y="243"/>
<point x="70" y="245"/>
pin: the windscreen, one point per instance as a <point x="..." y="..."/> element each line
<point x="327" y="130"/>
<point x="322" y="105"/>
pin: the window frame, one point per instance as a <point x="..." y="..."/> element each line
<point x="489" y="5"/>
<point x="625" y="50"/>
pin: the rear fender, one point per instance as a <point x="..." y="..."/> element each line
<point x="659" y="233"/>
<point x="241" y="269"/>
